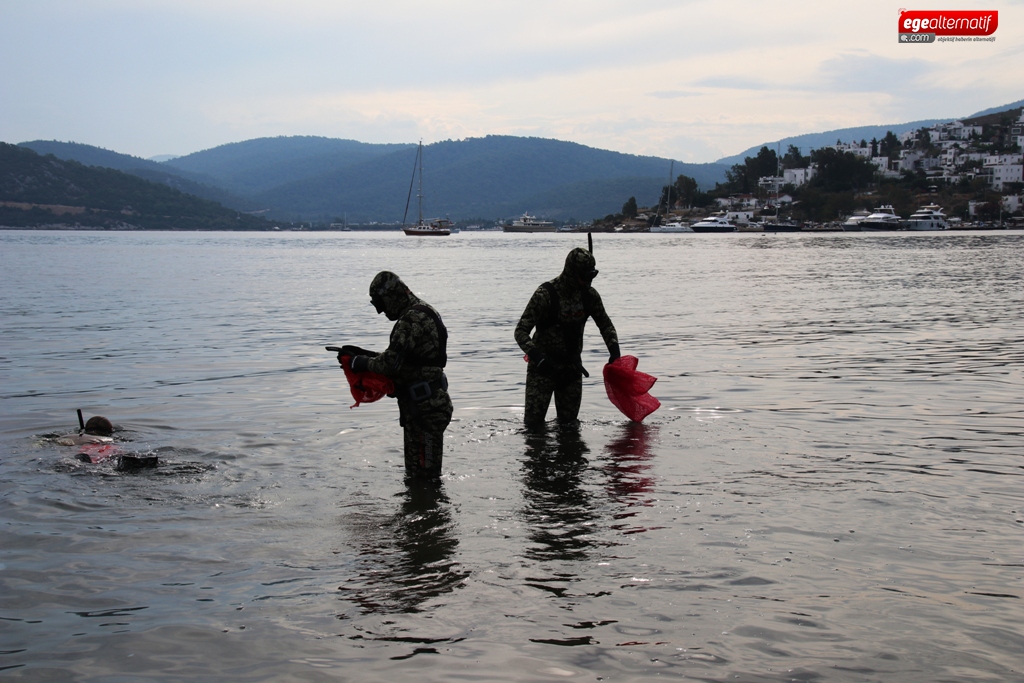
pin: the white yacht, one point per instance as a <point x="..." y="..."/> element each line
<point x="928" y="217"/>
<point x="883" y="218"/>
<point x="852" y="224"/>
<point x="528" y="223"/>
<point x="715" y="223"/>
<point x="675" y="226"/>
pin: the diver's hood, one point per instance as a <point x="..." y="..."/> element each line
<point x="580" y="264"/>
<point x="389" y="295"/>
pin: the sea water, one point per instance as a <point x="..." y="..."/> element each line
<point x="831" y="490"/>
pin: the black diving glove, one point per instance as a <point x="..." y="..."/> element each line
<point x="360" y="363"/>
<point x="613" y="353"/>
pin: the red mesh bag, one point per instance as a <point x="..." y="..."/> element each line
<point x="366" y="387"/>
<point x="627" y="389"/>
<point x="97" y="452"/>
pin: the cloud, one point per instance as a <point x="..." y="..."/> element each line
<point x="679" y="78"/>
<point x="865" y="72"/>
<point x="672" y="94"/>
<point x="733" y="83"/>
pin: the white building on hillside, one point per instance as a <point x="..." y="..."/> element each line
<point x="1006" y="173"/>
<point x="954" y="130"/>
<point x="853" y="148"/>
<point x="799" y="176"/>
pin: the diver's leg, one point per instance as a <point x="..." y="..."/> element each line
<point x="568" y="396"/>
<point x="538" y="397"/>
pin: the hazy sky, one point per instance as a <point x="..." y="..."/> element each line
<point x="693" y="80"/>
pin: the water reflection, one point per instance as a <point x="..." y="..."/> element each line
<point x="407" y="558"/>
<point x="558" y="508"/>
<point x="628" y="464"/>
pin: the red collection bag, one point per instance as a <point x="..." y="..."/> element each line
<point x="366" y="387"/>
<point x="627" y="389"/>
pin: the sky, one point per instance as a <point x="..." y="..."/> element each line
<point x="691" y="80"/>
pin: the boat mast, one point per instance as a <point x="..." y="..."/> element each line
<point x="419" y="194"/>
<point x="778" y="178"/>
<point x="668" y="194"/>
<point x="412" y="180"/>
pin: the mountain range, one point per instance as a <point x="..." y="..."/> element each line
<point x="320" y="179"/>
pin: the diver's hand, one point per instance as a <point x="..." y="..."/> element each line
<point x="613" y="353"/>
<point x="360" y="363"/>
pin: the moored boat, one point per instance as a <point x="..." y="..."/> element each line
<point x="435" y="227"/>
<point x="883" y="218"/>
<point x="528" y="223"/>
<point x="715" y="223"/>
<point x="782" y="226"/>
<point x="852" y="224"/>
<point x="676" y="226"/>
<point x="928" y="217"/>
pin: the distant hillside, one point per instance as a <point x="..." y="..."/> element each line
<point x="994" y="117"/>
<point x="258" y="165"/>
<point x="491" y="177"/>
<point x="44" y="190"/>
<point x="810" y="141"/>
<point x="996" y="110"/>
<point x="184" y="181"/>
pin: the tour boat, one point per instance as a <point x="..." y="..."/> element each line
<point x="528" y="223"/>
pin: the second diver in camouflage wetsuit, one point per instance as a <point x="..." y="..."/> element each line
<point x="414" y="361"/>
<point x="559" y="310"/>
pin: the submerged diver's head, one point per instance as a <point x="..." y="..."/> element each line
<point x="99" y="426"/>
<point x="580" y="267"/>
<point x="389" y="295"/>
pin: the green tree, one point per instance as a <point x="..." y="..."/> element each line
<point x="629" y="209"/>
<point x="743" y="177"/>
<point x="794" y="159"/>
<point x="841" y="171"/>
<point x="686" y="190"/>
<point x="890" y="145"/>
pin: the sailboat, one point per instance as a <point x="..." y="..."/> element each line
<point x="435" y="227"/>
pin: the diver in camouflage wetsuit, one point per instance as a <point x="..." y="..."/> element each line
<point x="414" y="359"/>
<point x="559" y="310"/>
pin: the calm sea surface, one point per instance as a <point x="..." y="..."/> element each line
<point x="833" y="489"/>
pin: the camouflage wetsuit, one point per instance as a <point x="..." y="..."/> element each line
<point x="555" y="347"/>
<point x="414" y="359"/>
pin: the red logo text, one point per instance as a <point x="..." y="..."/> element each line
<point x="949" y="23"/>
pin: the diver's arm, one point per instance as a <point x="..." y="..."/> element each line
<point x="389" y="363"/>
<point x="604" y="323"/>
<point x="528" y="321"/>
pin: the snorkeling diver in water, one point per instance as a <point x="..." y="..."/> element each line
<point x="96" y="444"/>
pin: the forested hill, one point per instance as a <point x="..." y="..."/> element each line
<point x="44" y="190"/>
<point x="254" y="166"/>
<point x="490" y="177"/>
<point x="179" y="179"/>
<point x="306" y="178"/>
